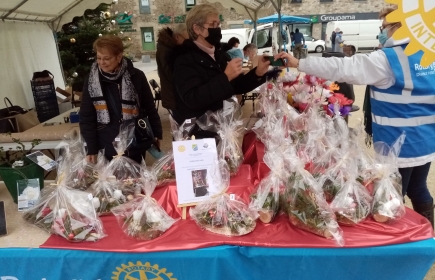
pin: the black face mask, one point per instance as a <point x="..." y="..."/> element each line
<point x="214" y="36"/>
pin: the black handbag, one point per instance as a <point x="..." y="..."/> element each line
<point x="144" y="136"/>
<point x="7" y="124"/>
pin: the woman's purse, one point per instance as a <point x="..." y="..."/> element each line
<point x="144" y="136"/>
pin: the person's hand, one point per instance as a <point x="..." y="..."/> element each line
<point x="263" y="66"/>
<point x="290" y="61"/>
<point x="234" y="68"/>
<point x="91" y="158"/>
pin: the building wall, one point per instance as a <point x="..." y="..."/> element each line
<point x="231" y="12"/>
<point x="309" y="7"/>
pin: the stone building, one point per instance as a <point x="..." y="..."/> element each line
<point x="141" y="20"/>
<point x="323" y="11"/>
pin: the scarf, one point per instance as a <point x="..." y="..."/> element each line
<point x="207" y="50"/>
<point x="128" y="93"/>
<point x="368" y="117"/>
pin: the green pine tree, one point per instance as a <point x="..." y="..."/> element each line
<point x="76" y="38"/>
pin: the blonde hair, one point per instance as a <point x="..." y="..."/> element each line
<point x="111" y="43"/>
<point x="198" y="15"/>
<point x="180" y="28"/>
<point x="385" y="12"/>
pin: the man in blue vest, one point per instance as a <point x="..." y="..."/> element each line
<point x="402" y="100"/>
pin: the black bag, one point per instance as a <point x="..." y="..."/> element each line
<point x="7" y="124"/>
<point x="144" y="136"/>
<point x="42" y="76"/>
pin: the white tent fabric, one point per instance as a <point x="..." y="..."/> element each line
<point x="25" y="47"/>
<point x="57" y="12"/>
<point x="27" y="43"/>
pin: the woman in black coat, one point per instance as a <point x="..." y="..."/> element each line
<point x="114" y="91"/>
<point x="203" y="75"/>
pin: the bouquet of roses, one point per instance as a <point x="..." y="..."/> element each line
<point x="125" y="170"/>
<point x="165" y="167"/>
<point x="228" y="125"/>
<point x="68" y="213"/>
<point x="387" y="201"/>
<point x="143" y="218"/>
<point x="222" y="213"/>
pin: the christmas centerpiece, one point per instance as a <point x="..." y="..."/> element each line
<point x="143" y="218"/>
<point x="124" y="169"/>
<point x="227" y="124"/>
<point x="107" y="193"/>
<point x="265" y="200"/>
<point x="164" y="167"/>
<point x="66" y="212"/>
<point x="223" y="213"/>
<point x="387" y="201"/>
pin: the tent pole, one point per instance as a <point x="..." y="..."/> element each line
<point x="280" y="27"/>
<point x="255" y="27"/>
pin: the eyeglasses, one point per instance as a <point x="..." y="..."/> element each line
<point x="214" y="24"/>
<point x="382" y="28"/>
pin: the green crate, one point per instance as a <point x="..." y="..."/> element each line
<point x="11" y="175"/>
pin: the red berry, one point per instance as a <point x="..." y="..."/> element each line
<point x="269" y="86"/>
<point x="71" y="236"/>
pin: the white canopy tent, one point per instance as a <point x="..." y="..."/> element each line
<point x="28" y="44"/>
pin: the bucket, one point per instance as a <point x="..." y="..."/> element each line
<point x="11" y="175"/>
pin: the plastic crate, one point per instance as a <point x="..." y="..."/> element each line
<point x="44" y="95"/>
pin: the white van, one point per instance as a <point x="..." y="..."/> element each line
<point x="241" y="33"/>
<point x="267" y="38"/>
<point x="363" y="34"/>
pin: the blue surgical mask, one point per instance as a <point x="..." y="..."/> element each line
<point x="383" y="37"/>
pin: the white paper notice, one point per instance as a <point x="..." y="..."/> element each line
<point x="194" y="162"/>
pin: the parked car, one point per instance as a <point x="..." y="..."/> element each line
<point x="314" y="45"/>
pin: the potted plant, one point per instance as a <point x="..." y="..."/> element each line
<point x="14" y="165"/>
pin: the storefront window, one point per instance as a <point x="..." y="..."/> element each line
<point x="190" y="4"/>
<point x="148" y="42"/>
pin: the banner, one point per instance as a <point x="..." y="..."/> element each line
<point x="418" y="24"/>
<point x="403" y="261"/>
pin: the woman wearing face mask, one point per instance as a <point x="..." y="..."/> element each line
<point x="401" y="100"/>
<point x="203" y="76"/>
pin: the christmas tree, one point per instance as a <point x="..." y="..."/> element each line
<point x="76" y="38"/>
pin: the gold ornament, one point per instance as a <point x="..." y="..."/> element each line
<point x="99" y="35"/>
<point x="72" y="40"/>
<point x="107" y="14"/>
<point x="129" y="38"/>
<point x="75" y="74"/>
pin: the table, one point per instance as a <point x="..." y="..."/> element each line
<point x="45" y="133"/>
<point x="410" y="260"/>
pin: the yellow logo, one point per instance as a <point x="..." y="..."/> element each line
<point x="181" y="148"/>
<point x="141" y="271"/>
<point x="418" y="24"/>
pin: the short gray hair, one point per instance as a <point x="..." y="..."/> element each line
<point x="249" y="47"/>
<point x="198" y="15"/>
<point x="180" y="28"/>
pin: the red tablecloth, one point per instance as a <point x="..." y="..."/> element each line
<point x="185" y="234"/>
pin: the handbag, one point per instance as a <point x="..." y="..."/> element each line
<point x="144" y="136"/>
<point x="8" y="124"/>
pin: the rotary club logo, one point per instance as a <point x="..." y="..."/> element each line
<point x="418" y="23"/>
<point x="141" y="271"/>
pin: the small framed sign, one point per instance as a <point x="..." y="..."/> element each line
<point x="42" y="160"/>
<point x="28" y="193"/>
<point x="195" y="162"/>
